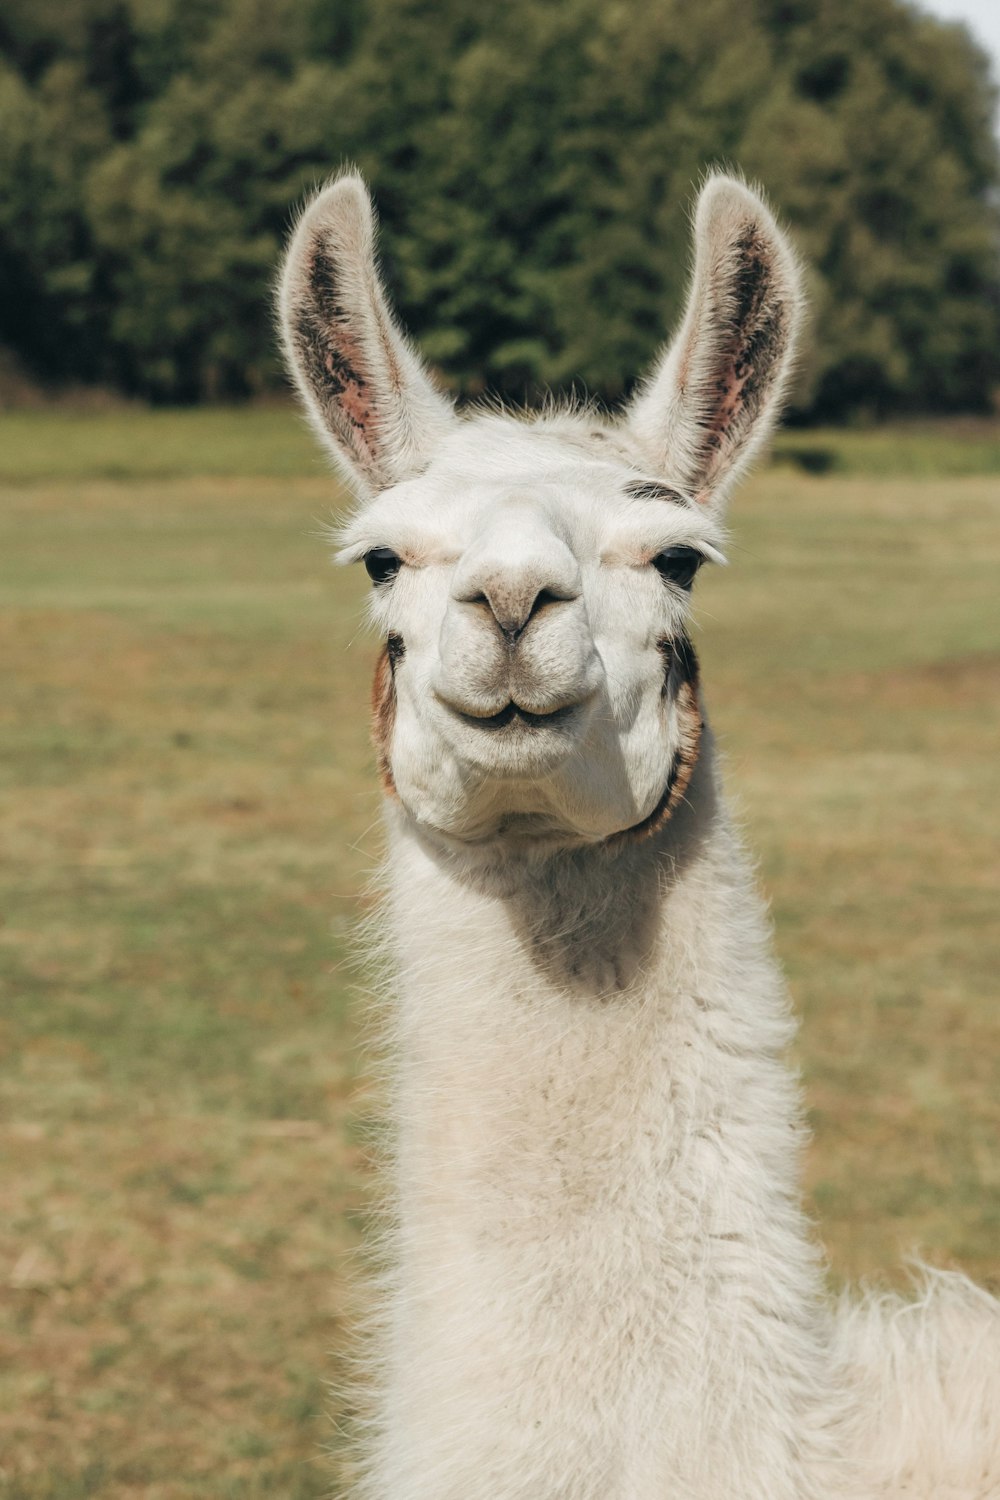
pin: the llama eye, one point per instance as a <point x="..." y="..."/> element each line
<point x="382" y="564"/>
<point x="678" y="565"/>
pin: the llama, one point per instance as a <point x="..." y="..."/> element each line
<point x="602" y="1285"/>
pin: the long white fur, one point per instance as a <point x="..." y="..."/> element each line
<point x="600" y="1284"/>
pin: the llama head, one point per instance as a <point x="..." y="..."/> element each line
<point x="532" y="576"/>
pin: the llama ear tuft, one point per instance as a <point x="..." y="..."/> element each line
<point x="710" y="402"/>
<point x="365" y="390"/>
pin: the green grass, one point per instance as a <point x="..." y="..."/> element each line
<point x="139" y="443"/>
<point x="928" y="449"/>
<point x="256" y="441"/>
<point x="190" y="816"/>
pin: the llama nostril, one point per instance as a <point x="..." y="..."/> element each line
<point x="548" y="596"/>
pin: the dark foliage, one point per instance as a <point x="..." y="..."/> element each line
<point x="531" y="162"/>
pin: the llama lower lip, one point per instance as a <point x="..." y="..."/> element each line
<point x="515" y="742"/>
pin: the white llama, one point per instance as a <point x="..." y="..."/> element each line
<point x="602" y="1284"/>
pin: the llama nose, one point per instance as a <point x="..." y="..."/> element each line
<point x="514" y="603"/>
<point x="516" y="573"/>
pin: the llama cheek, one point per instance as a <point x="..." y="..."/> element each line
<point x="682" y="704"/>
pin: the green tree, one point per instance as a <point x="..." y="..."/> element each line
<point x="530" y="180"/>
<point x="529" y="162"/>
<point x="52" y="303"/>
<point x="189" y="214"/>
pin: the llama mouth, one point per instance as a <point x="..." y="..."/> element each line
<point x="516" y="715"/>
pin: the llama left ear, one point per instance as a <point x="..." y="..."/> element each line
<point x="364" y="387"/>
<point x="709" y="404"/>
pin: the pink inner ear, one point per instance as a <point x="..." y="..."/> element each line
<point x="348" y="388"/>
<point x="749" y="355"/>
<point x="729" y="390"/>
<point x="331" y="348"/>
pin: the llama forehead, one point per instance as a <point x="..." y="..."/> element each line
<point x="558" y="476"/>
<point x="493" y="462"/>
<point x="559" y="440"/>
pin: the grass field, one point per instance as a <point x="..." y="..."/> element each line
<point x="189" y="817"/>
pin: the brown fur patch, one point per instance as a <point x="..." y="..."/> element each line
<point x="648" y="489"/>
<point x="683" y="690"/>
<point x="384" y="717"/>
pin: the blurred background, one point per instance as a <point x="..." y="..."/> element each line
<point x="188" y="799"/>
<point x="530" y="161"/>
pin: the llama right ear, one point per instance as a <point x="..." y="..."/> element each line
<point x="365" y="390"/>
<point x="712" y="399"/>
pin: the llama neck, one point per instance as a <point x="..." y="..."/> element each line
<point x="595" y="1178"/>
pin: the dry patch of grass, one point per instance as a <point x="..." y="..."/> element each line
<point x="173" y="1297"/>
<point x="189" y="815"/>
<point x="183" y="797"/>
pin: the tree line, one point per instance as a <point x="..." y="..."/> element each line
<point x="531" y="161"/>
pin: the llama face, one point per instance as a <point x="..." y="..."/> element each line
<point x="535" y="686"/>
<point x="532" y="577"/>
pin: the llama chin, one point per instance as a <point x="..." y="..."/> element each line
<point x="601" y="1283"/>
